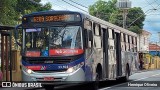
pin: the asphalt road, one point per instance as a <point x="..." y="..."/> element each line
<point x="148" y="80"/>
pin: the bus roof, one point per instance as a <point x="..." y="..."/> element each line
<point x="95" y="19"/>
<point x="110" y="25"/>
<point x="49" y="12"/>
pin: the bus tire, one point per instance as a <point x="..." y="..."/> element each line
<point x="96" y="83"/>
<point x="126" y="74"/>
<point x="99" y="72"/>
<point x="98" y="77"/>
<point x="48" y="87"/>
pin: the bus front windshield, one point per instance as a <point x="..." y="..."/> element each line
<point x="53" y="41"/>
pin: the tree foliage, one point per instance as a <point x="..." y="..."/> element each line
<point x="7" y="12"/>
<point x="136" y="16"/>
<point x="26" y="6"/>
<point x="102" y="9"/>
<point x="135" y="29"/>
<point x="109" y="12"/>
<point x="12" y="10"/>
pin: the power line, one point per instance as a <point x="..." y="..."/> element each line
<point x="74" y="6"/>
<point x="158" y="6"/>
<point x="140" y="17"/>
<point x="60" y="6"/>
<point x="78" y="4"/>
<point x="150" y="4"/>
<point x="156" y="1"/>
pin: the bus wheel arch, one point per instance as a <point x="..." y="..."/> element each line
<point x="99" y="72"/>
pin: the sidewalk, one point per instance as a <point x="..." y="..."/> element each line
<point x="145" y="70"/>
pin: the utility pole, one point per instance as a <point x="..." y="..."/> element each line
<point x="124" y="5"/>
<point x="159" y="36"/>
<point x="158" y="42"/>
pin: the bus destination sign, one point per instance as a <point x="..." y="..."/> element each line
<point x="54" y="18"/>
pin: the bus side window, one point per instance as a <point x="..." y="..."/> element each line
<point x="90" y="36"/>
<point x="88" y="33"/>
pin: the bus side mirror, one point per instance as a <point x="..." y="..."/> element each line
<point x="16" y="34"/>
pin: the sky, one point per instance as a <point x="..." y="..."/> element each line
<point x="150" y="7"/>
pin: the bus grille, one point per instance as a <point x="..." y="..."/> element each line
<point x="49" y="71"/>
<point x="54" y="61"/>
<point x="50" y="60"/>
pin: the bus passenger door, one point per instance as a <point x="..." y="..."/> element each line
<point x="118" y="54"/>
<point x="105" y="53"/>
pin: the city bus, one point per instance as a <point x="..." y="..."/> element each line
<point x="73" y="46"/>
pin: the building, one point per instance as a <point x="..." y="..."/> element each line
<point x="154" y="49"/>
<point x="143" y="46"/>
<point x="143" y="42"/>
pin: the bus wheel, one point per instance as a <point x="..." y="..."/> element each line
<point x="126" y="74"/>
<point x="97" y="77"/>
<point x="49" y="87"/>
<point x="96" y="83"/>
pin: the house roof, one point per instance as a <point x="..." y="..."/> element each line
<point x="146" y="32"/>
<point x="154" y="47"/>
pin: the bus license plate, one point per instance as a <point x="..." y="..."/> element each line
<point x="48" y="78"/>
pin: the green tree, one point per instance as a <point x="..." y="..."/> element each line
<point x="136" y="16"/>
<point x="116" y="18"/>
<point x="12" y="10"/>
<point x="7" y="12"/>
<point x="102" y="9"/>
<point x="135" y="29"/>
<point x="47" y="6"/>
<point x="28" y="6"/>
<point x="108" y="12"/>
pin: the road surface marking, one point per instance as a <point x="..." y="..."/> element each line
<point x="128" y="82"/>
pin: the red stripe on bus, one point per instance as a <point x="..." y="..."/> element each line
<point x="34" y="67"/>
<point x="33" y="53"/>
<point x="65" y="51"/>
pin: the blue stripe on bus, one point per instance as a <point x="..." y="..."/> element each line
<point x="89" y="69"/>
<point x="57" y="66"/>
<point x="88" y="73"/>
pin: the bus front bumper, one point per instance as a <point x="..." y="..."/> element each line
<point x="77" y="75"/>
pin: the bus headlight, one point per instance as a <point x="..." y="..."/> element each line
<point x="70" y="70"/>
<point x="74" y="68"/>
<point x="29" y="71"/>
